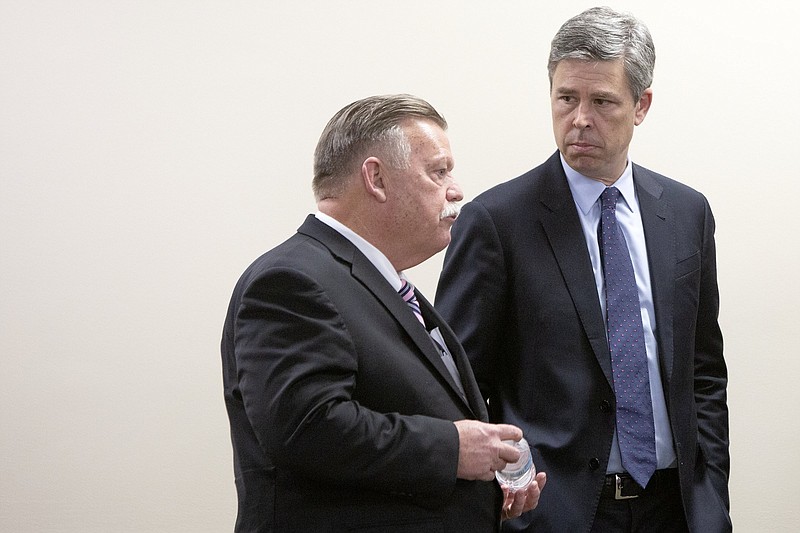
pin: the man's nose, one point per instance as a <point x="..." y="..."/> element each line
<point x="454" y="193"/>
<point x="583" y="116"/>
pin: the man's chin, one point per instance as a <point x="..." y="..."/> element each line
<point x="585" y="164"/>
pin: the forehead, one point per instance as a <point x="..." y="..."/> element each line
<point x="577" y="75"/>
<point x="426" y="139"/>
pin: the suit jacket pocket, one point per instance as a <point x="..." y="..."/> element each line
<point x="687" y="266"/>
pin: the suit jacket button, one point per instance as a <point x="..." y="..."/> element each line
<point x="594" y="463"/>
<point x="605" y="406"/>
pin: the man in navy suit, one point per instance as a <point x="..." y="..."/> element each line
<point x="352" y="405"/>
<point x="523" y="287"/>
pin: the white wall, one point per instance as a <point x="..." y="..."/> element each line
<point x="150" y="149"/>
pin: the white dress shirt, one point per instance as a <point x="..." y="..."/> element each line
<point x="395" y="279"/>
<point x="374" y="255"/>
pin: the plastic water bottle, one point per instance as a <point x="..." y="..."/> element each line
<point x="516" y="476"/>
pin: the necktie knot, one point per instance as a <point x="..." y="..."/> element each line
<point x="410" y="298"/>
<point x="608" y="200"/>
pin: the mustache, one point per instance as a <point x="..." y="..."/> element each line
<point x="452" y="209"/>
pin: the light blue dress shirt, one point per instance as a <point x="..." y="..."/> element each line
<point x="586" y="193"/>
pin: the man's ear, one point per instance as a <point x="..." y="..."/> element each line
<point x="373" y="172"/>
<point x="643" y="106"/>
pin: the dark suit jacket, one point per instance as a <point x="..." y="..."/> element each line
<point x="518" y="289"/>
<point x="340" y="406"/>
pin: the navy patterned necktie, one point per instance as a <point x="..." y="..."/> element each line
<point x="635" y="428"/>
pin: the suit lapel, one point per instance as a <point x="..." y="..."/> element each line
<point x="563" y="229"/>
<point x="369" y="276"/>
<point x="473" y="399"/>
<point x="565" y="235"/>
<point x="658" y="232"/>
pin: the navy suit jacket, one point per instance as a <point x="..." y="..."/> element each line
<point x="518" y="289"/>
<point x="340" y="406"/>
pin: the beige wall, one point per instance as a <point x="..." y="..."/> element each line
<point x="150" y="149"/>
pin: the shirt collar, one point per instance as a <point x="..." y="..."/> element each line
<point x="586" y="191"/>
<point x="375" y="256"/>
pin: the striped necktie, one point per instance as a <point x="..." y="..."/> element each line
<point x="407" y="293"/>
<point x="409" y="297"/>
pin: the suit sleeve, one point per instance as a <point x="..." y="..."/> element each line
<point x="710" y="372"/>
<point x="297" y="370"/>
<point x="471" y="294"/>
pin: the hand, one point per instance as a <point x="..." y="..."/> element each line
<point x="481" y="450"/>
<point x="523" y="500"/>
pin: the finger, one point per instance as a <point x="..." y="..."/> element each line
<point x="535" y="492"/>
<point x="515" y="506"/>
<point x="531" y="497"/>
<point x="518" y="503"/>
<point x="509" y="432"/>
<point x="509" y="454"/>
<point x="508" y="498"/>
<point x="487" y="476"/>
<point x="508" y="501"/>
<point x="498" y="465"/>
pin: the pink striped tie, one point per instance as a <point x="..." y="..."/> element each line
<point x="407" y="293"/>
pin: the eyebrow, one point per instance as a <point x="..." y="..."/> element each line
<point x="604" y="95"/>
<point x="440" y="159"/>
<point x="563" y="90"/>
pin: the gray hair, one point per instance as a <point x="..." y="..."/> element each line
<point x="368" y="124"/>
<point x="602" y="34"/>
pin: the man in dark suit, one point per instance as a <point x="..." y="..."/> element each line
<point x="352" y="405"/>
<point x="530" y="292"/>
